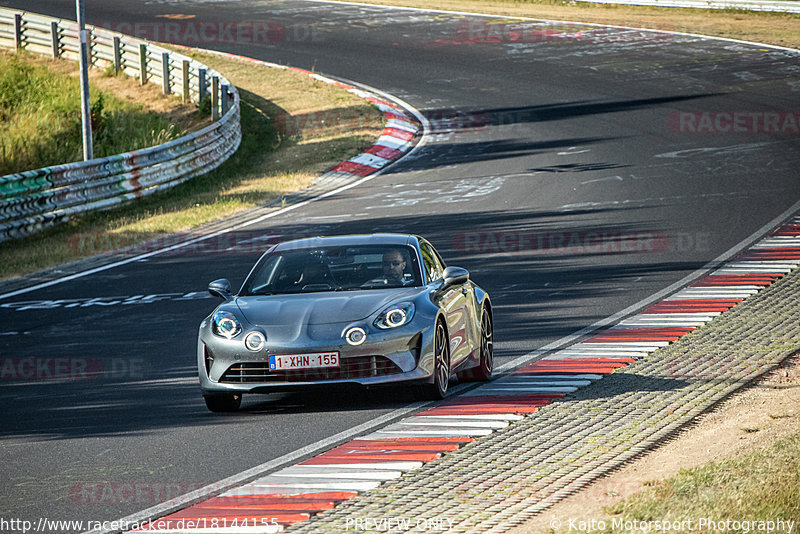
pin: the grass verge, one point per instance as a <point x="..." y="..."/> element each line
<point x="293" y="128"/>
<point x="780" y="29"/>
<point x="762" y="485"/>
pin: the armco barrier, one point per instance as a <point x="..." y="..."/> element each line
<point x="33" y="200"/>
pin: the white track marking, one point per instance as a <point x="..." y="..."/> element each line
<point x="539" y="382"/>
<point x="518" y="390"/>
<point x="337" y="472"/>
<point x="399" y="466"/>
<point x="468" y="418"/>
<point x="523" y="378"/>
<point x="432" y="420"/>
<point x="430" y="432"/>
<point x="277" y="485"/>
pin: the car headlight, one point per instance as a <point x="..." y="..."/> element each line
<point x="394" y="316"/>
<point x="225" y="324"/>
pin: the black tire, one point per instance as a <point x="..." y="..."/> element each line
<point x="483" y="371"/>
<point x="224" y="402"/>
<point x="441" y="366"/>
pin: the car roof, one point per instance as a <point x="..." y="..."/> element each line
<point x="347" y="240"/>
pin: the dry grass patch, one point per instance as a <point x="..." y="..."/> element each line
<point x="748" y="490"/>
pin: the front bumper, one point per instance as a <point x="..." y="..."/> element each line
<point x="387" y="357"/>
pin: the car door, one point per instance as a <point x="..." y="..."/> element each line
<point x="453" y="301"/>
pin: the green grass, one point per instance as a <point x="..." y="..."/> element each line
<point x="762" y="485"/>
<point x="41" y="118"/>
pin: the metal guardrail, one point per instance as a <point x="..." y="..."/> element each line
<point x="33" y="200"/>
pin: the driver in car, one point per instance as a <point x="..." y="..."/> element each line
<point x="394" y="266"/>
<point x="394" y="270"/>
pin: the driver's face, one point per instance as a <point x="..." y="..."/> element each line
<point x="393" y="265"/>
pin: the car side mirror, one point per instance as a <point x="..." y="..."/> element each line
<point x="455" y="276"/>
<point x="220" y="288"/>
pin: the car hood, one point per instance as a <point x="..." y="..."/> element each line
<point x="319" y="308"/>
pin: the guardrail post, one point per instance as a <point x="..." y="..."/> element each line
<point x="201" y="84"/>
<point x="85" y="61"/>
<point x="55" y="40"/>
<point x="185" y="77"/>
<point x="17" y="32"/>
<point x="142" y="64"/>
<point x="223" y="94"/>
<point x="165" y="73"/>
<point x="117" y="55"/>
<point x="214" y="98"/>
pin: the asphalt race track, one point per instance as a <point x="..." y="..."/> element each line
<point x="574" y="170"/>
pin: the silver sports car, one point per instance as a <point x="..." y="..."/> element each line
<point x="365" y="309"/>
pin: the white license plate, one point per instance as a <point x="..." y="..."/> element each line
<point x="283" y="362"/>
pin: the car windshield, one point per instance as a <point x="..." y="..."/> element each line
<point x="341" y="268"/>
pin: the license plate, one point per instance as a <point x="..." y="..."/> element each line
<point x="283" y="362"/>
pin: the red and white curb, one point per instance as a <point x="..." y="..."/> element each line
<point x="403" y="124"/>
<point x="395" y="141"/>
<point x="298" y="492"/>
